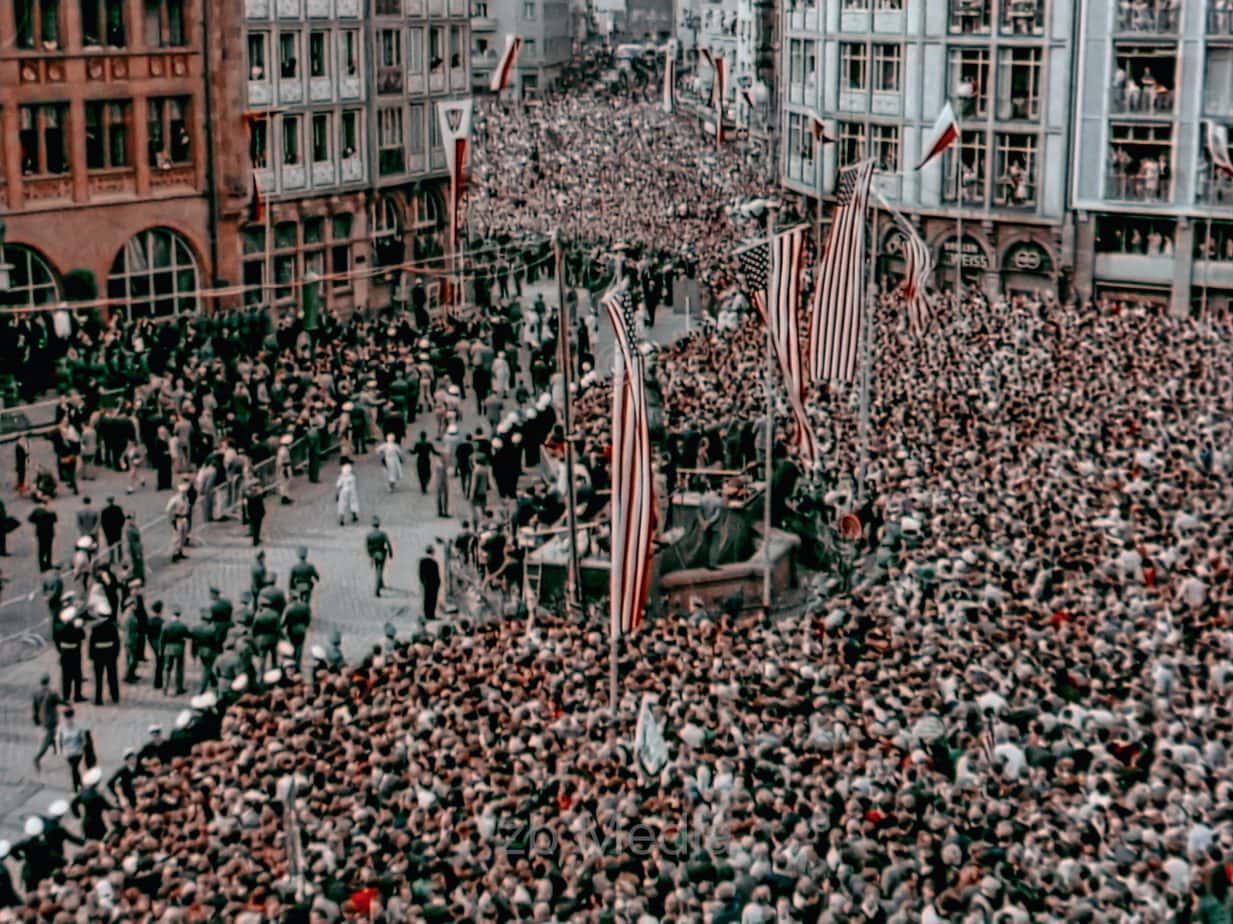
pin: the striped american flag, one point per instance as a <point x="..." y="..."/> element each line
<point x="633" y="478"/>
<point x="918" y="264"/>
<point x="772" y="271"/>
<point x="839" y="292"/>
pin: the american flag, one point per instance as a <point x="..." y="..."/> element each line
<point x="772" y="271"/>
<point x="839" y="292"/>
<point x="633" y="478"/>
<point x="918" y="266"/>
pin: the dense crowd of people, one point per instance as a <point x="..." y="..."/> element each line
<point x="1015" y="708"/>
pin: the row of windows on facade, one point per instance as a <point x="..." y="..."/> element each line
<point x="323" y="42"/>
<point x="154" y="273"/>
<point x="1145" y="80"/>
<point x="45" y="129"/>
<point x="399" y="136"/>
<point x="37" y="24"/>
<point x="1139" y="169"/>
<point x="1137" y="235"/>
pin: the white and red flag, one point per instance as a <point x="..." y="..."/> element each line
<point x="505" y="68"/>
<point x="945" y="133"/>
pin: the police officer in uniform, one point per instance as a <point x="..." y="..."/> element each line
<point x="220" y="616"/>
<point x="244" y="615"/>
<point x="105" y="653"/>
<point x="266" y="633"/>
<point x="379" y="552"/>
<point x="258" y="576"/>
<point x="69" y="638"/>
<point x="90" y="805"/>
<point x="205" y="646"/>
<point x="304" y="577"/>
<point x="134" y="639"/>
<point x="174" y="639"/>
<point x="296" y="621"/>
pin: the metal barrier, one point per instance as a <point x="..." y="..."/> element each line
<point x="40" y="416"/>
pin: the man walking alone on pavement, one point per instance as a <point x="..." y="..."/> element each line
<point x="47" y="703"/>
<point x="430" y="583"/>
<point x="379" y="552"/>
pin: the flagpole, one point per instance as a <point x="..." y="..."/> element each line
<point x="573" y="583"/>
<point x="958" y="170"/>
<point x="771" y="208"/>
<point x="1207" y="258"/>
<point x="867" y="333"/>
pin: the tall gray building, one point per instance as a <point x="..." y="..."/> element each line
<point x="1152" y="215"/>
<point x="878" y="72"/>
<point x="547" y="28"/>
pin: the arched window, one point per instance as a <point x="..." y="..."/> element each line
<point x="155" y="273"/>
<point x="385" y="224"/>
<point x="31" y="282"/>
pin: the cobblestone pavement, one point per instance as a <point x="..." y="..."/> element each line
<point x="221" y="556"/>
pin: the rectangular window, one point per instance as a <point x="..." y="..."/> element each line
<point x="318" y="53"/>
<point x="971" y="17"/>
<point x="434" y="136"/>
<point x="1019" y="84"/>
<point x="253" y="243"/>
<point x="972" y="150"/>
<point x="1148" y="18"/>
<point x="853" y="66"/>
<point x="455" y="46"/>
<point x="314" y="231"/>
<point x="340" y="252"/>
<point x="288" y="55"/>
<point x="1016" y="163"/>
<point x="163" y="23"/>
<point x="349" y="52"/>
<point x="810" y="68"/>
<point x="528" y="10"/>
<point x="415" y="50"/>
<point x="348" y="134"/>
<point x="321" y="137"/>
<point x="389" y="7"/>
<point x="42" y="139"/>
<point x="796" y="70"/>
<point x="884" y="146"/>
<point x="851" y="143"/>
<point x="37" y="24"/>
<point x="390" y="142"/>
<point x="969" y="81"/>
<point x="259" y="142"/>
<point x="436" y="47"/>
<point x="1023" y="17"/>
<point x="1140" y="167"/>
<point x="1217" y="100"/>
<point x="886" y="64"/>
<point x="1137" y="234"/>
<point x="415" y="129"/>
<point x="291" y="140"/>
<point x="257" y="54"/>
<point x="390" y="43"/>
<point x="107" y="134"/>
<point x="102" y="23"/>
<point x="1145" y="78"/>
<point x="167" y="131"/>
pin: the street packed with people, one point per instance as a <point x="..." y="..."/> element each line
<point x="1007" y="700"/>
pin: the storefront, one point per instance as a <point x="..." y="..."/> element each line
<point x="1028" y="269"/>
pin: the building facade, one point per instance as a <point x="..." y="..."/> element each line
<point x="1153" y="217"/>
<point x="547" y="28"/>
<point x="106" y="124"/>
<point x="344" y="143"/>
<point x="878" y="72"/>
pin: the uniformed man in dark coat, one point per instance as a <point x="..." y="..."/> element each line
<point x="105" y="655"/>
<point x="258" y="576"/>
<point x="35" y="854"/>
<point x="296" y="620"/>
<point x="111" y="519"/>
<point x="90" y="805"/>
<point x="121" y="782"/>
<point x="205" y="647"/>
<point x="69" y="638"/>
<point x="266" y="631"/>
<point x="379" y="552"/>
<point x="154" y="634"/>
<point x="53" y="593"/>
<point x="174" y="640"/>
<point x="430" y="583"/>
<point x="312" y="440"/>
<point x="304" y="577"/>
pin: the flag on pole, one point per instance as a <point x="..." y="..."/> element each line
<point x="669" y="75"/>
<point x="944" y="134"/>
<point x="1218" y="146"/>
<point x="839" y="290"/>
<point x="633" y="478"/>
<point x="505" y="69"/>
<point x="918" y="267"/>
<point x="772" y="271"/>
<point x="721" y="83"/>
<point x="454" y="120"/>
<point x="818" y="126"/>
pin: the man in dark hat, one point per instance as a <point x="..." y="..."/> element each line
<point x="206" y="647"/>
<point x="69" y="638"/>
<point x="136" y="553"/>
<point x="379" y="552"/>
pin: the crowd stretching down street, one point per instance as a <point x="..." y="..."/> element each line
<point x="1007" y="700"/>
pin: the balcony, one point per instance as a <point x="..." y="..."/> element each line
<point x="483" y="24"/>
<point x="1023" y="17"/>
<point x="45" y="189"/>
<point x="1157" y="270"/>
<point x="1153" y="17"/>
<point x="1220" y="17"/>
<point x="1144" y="81"/>
<point x="352" y="169"/>
<point x="173" y="177"/>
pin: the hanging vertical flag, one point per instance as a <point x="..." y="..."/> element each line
<point x="669" y="75"/>
<point x="721" y="93"/>
<point x="839" y="291"/>
<point x="1218" y="146"/>
<point x="817" y="125"/>
<point x="505" y="68"/>
<point x="772" y="271"/>
<point x="710" y="62"/>
<point x="945" y="132"/>
<point x="633" y="478"/>
<point x="918" y="267"/>
<point x="454" y="120"/>
<point x="747" y="96"/>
